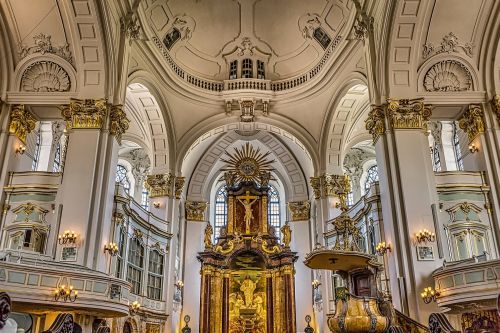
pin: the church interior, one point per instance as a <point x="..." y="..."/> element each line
<point x="249" y="166"/>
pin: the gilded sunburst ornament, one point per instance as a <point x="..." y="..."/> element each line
<point x="247" y="163"/>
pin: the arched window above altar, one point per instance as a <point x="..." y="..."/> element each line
<point x="274" y="213"/>
<point x="220" y="210"/>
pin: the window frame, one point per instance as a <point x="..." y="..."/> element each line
<point x="135" y="270"/>
<point x="155" y="275"/>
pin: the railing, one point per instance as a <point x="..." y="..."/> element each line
<point x="254" y="84"/>
<point x="438" y="323"/>
<point x="34" y="179"/>
<point x="409" y="325"/>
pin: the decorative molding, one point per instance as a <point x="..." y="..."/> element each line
<point x="435" y="128"/>
<point x="195" y="210"/>
<point x="375" y="123"/>
<point x="362" y="26"/>
<point x="22" y="122"/>
<point x="118" y="218"/>
<point x="138" y="234"/>
<point x="448" y="44"/>
<point x="448" y="75"/>
<point x="84" y="113"/>
<point x="299" y="210"/>
<point x="472" y="121"/>
<point x="353" y="163"/>
<point x="185" y="25"/>
<point x="159" y="185"/>
<point x="42" y="45"/>
<point x="118" y="122"/>
<point x="247" y="111"/>
<point x="308" y="23"/>
<point x="496" y="106"/>
<point x="179" y="186"/>
<point x="408" y="113"/>
<point x="316" y="186"/>
<point x="328" y="185"/>
<point x="140" y="162"/>
<point x="45" y="76"/>
<point x="130" y="26"/>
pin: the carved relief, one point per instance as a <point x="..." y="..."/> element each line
<point x="408" y="113"/>
<point x="375" y="123"/>
<point x="118" y="122"/>
<point x="472" y="121"/>
<point x="316" y="186"/>
<point x="44" y="45"/>
<point x="159" y="185"/>
<point x="84" y="113"/>
<point x="130" y="26"/>
<point x="308" y="23"/>
<point x="299" y="210"/>
<point x="179" y="186"/>
<point x="247" y="110"/>
<point x="448" y="75"/>
<point x="362" y="26"/>
<point x="140" y="164"/>
<point x="45" y="76"/>
<point x="448" y="44"/>
<point x="152" y="328"/>
<point x="195" y="210"/>
<point x="185" y="25"/>
<point x="22" y="122"/>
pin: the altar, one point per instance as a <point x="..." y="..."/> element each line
<point x="247" y="276"/>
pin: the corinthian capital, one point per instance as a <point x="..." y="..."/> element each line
<point x="496" y="106"/>
<point x="472" y="121"/>
<point x="195" y="210"/>
<point x="84" y="113"/>
<point x="179" y="186"/>
<point x="22" y="122"/>
<point x="408" y="113"/>
<point x="375" y="123"/>
<point x="159" y="185"/>
<point x="299" y="210"/>
<point x="118" y="122"/>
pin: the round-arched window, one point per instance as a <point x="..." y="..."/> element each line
<point x="371" y="177"/>
<point x="122" y="178"/>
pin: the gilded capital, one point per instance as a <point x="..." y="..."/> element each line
<point x="84" y="113"/>
<point x="299" y="210"/>
<point x="159" y="185"/>
<point x="472" y="121"/>
<point x="496" y="106"/>
<point x="22" y="122"/>
<point x="408" y="113"/>
<point x="195" y="210"/>
<point x="179" y="186"/>
<point x="316" y="186"/>
<point x="335" y="185"/>
<point x="375" y="123"/>
<point x="118" y="121"/>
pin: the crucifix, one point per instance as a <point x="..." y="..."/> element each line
<point x="248" y="208"/>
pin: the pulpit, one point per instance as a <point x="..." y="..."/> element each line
<point x="247" y="275"/>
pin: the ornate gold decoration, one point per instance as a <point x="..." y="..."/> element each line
<point x="179" y="186"/>
<point x="195" y="210"/>
<point x="316" y="186"/>
<point x="375" y="123"/>
<point x="274" y="249"/>
<point x="207" y="239"/>
<point x="118" y="218"/>
<point x="247" y="164"/>
<point x="159" y="185"/>
<point x="138" y="234"/>
<point x="22" y="122"/>
<point x="472" y="121"/>
<point x="152" y="328"/>
<point x="84" y="113"/>
<point x="227" y="248"/>
<point x="496" y="106"/>
<point x="348" y="234"/>
<point x="287" y="235"/>
<point x="408" y="113"/>
<point x="299" y="210"/>
<point x="118" y="122"/>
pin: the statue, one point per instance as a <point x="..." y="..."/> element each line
<point x="248" y="287"/>
<point x="209" y="231"/>
<point x="248" y="209"/>
<point x="287" y="235"/>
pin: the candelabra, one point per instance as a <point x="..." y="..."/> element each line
<point x="382" y="248"/>
<point x="316" y="283"/>
<point x="68" y="237"/>
<point x="424" y="236"/>
<point x="134" y="307"/>
<point x="21" y="149"/>
<point x="111" y="248"/>
<point x="429" y="295"/>
<point x="65" y="293"/>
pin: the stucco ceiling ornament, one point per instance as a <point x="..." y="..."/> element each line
<point x="472" y="121"/>
<point x="246" y="48"/>
<point x="185" y="24"/>
<point x="43" y="44"/>
<point x="22" y="122"/>
<point x="448" y="75"/>
<point x="45" y="76"/>
<point x="130" y="26"/>
<point x="449" y="44"/>
<point x="140" y="163"/>
<point x="308" y="23"/>
<point x="362" y="26"/>
<point x="353" y="163"/>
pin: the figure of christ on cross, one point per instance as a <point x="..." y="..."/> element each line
<point x="248" y="208"/>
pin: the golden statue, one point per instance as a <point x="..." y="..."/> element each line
<point x="248" y="287"/>
<point x="248" y="208"/>
<point x="287" y="235"/>
<point x="209" y="231"/>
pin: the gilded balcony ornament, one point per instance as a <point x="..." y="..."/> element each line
<point x="195" y="210"/>
<point x="159" y="185"/>
<point x="472" y="121"/>
<point x="179" y="186"/>
<point x="375" y="123"/>
<point x="408" y="113"/>
<point x="316" y="186"/>
<point x="22" y="122"/>
<point x="84" y="113"/>
<point x="118" y="121"/>
<point x="496" y="106"/>
<point x="299" y="210"/>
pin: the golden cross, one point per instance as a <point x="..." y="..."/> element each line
<point x="247" y="196"/>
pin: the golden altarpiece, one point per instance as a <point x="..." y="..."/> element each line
<point x="247" y="275"/>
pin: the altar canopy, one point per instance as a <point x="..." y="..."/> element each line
<point x="247" y="282"/>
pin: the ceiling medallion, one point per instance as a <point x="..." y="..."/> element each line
<point x="247" y="163"/>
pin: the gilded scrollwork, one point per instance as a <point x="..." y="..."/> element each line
<point x="496" y="106"/>
<point x="299" y="210"/>
<point x="408" y="113"/>
<point x="195" y="210"/>
<point x="179" y="186"/>
<point x="22" y="122"/>
<point x="159" y="185"/>
<point x="118" y="121"/>
<point x="375" y="123"/>
<point x="316" y="186"/>
<point x="85" y="113"/>
<point x="472" y="121"/>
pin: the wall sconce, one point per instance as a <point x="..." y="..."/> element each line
<point x="134" y="307"/>
<point x="473" y="148"/>
<point x="156" y="204"/>
<point x="179" y="285"/>
<point x="424" y="236"/>
<point x="429" y="295"/>
<point x="315" y="284"/>
<point x="111" y="248"/>
<point x="382" y="248"/>
<point x="21" y="149"/>
<point x="65" y="293"/>
<point x="68" y="237"/>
